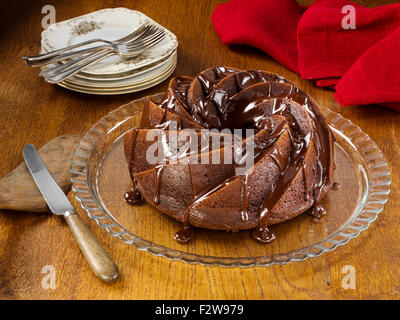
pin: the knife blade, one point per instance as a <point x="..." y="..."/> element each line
<point x="99" y="260"/>
<point x="52" y="193"/>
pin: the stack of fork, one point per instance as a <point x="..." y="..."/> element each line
<point x="90" y="66"/>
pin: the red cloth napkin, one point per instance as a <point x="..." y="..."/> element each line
<point x="362" y="65"/>
<point x="267" y="25"/>
<point x="375" y="76"/>
<point x="327" y="50"/>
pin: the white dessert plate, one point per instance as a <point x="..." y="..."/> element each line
<point x="137" y="80"/>
<point x="120" y="90"/>
<point x="129" y="74"/>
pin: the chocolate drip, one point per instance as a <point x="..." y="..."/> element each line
<point x="184" y="235"/>
<point x="131" y="162"/>
<point x="263" y="234"/>
<point x="316" y="211"/>
<point x="245" y="199"/>
<point x="133" y="197"/>
<point x="306" y="184"/>
<point x="335" y="186"/>
<point x="158" y="172"/>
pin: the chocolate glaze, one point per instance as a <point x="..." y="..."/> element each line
<point x="133" y="197"/>
<point x="225" y="98"/>
<point x="335" y="186"/>
<point x="131" y="162"/>
<point x="263" y="234"/>
<point x="157" y="173"/>
<point x="184" y="235"/>
<point x="245" y="198"/>
<point x="177" y="93"/>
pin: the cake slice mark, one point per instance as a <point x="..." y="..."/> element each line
<point x="186" y="214"/>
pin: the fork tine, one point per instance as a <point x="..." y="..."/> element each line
<point x="147" y="45"/>
<point x="148" y="41"/>
<point x="156" y="41"/>
<point x="152" y="30"/>
<point x="134" y="37"/>
<point x="155" y="34"/>
<point x="144" y="35"/>
<point x="135" y="34"/>
<point x="145" y="41"/>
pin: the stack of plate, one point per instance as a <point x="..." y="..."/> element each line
<point x="113" y="75"/>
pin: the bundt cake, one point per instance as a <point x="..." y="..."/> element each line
<point x="292" y="153"/>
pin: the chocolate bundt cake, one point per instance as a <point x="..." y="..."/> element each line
<point x="292" y="152"/>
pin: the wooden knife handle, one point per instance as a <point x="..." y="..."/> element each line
<point x="99" y="260"/>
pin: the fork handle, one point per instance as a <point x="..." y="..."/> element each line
<point x="54" y="53"/>
<point x="89" y="60"/>
<point x="69" y="65"/>
<point x="66" y="55"/>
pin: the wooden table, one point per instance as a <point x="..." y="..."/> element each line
<point x="32" y="111"/>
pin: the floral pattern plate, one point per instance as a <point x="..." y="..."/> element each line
<point x="129" y="74"/>
<point x="108" y="24"/>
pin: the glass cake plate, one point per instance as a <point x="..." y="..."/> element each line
<point x="100" y="178"/>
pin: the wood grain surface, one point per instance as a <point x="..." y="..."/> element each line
<point x="32" y="111"/>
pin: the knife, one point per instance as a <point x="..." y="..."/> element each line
<point x="99" y="260"/>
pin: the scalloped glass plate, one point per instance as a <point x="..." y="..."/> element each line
<point x="100" y="178"/>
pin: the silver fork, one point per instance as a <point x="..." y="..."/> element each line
<point x="127" y="51"/>
<point x="114" y="45"/>
<point x="124" y="49"/>
<point x="49" y="55"/>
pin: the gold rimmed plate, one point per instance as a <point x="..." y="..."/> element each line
<point x="120" y="90"/>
